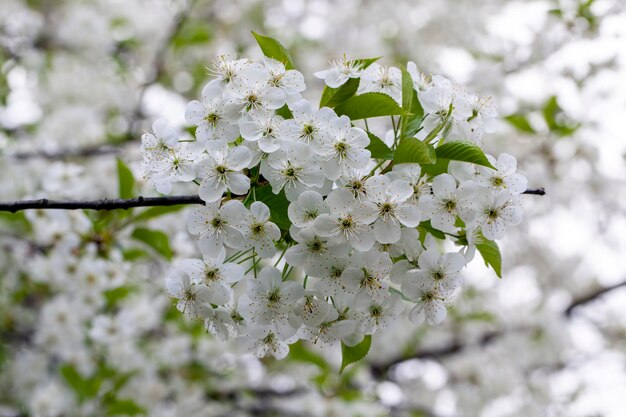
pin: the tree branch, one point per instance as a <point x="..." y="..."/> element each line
<point x="488" y="337"/>
<point x="104" y="204"/>
<point x="592" y="296"/>
<point x="115" y="204"/>
<point x="536" y="191"/>
<point x="81" y="152"/>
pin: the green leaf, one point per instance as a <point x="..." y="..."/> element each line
<point x="17" y="221"/>
<point x="352" y="354"/>
<point x="378" y="148"/>
<point x="556" y="120"/>
<point x="83" y="387"/>
<point x="284" y="112"/>
<point x="300" y="353"/>
<point x="520" y="122"/>
<point x="154" y="212"/>
<point x="193" y="33"/>
<point x="365" y="62"/>
<point x="439" y="167"/>
<point x="550" y="111"/>
<point x="414" y="150"/>
<point x="273" y="49"/>
<point x="463" y="151"/>
<point x="332" y="97"/>
<point x="125" y="180"/>
<point x="114" y="295"/>
<point x="156" y="239"/>
<point x="277" y="203"/>
<point x="426" y="227"/>
<point x="132" y="254"/>
<point x="414" y="122"/>
<point x="369" y="105"/>
<point x="124" y="407"/>
<point x="407" y="100"/>
<point x="490" y="252"/>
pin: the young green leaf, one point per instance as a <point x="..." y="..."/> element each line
<point x="83" y="387"/>
<point x="439" y="167"/>
<point x="273" y="49"/>
<point x="407" y="100"/>
<point x="125" y="180"/>
<point x="414" y="122"/>
<point x="369" y="105"/>
<point x="332" y="97"/>
<point x="284" y="112"/>
<point x="520" y="122"/>
<point x="124" y="407"/>
<point x="378" y="148"/>
<point x="17" y="221"/>
<point x="352" y="354"/>
<point x="365" y="62"/>
<point x="300" y="353"/>
<point x="156" y="239"/>
<point x="552" y="113"/>
<point x="414" y="150"/>
<point x="463" y="151"/>
<point x="277" y="203"/>
<point x="426" y="227"/>
<point x="490" y="252"/>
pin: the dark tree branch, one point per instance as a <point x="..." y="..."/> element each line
<point x="104" y="204"/>
<point x="537" y="191"/>
<point x="82" y="152"/>
<point x="588" y="298"/>
<point x="113" y="204"/>
<point x="488" y="337"/>
<point x="453" y="348"/>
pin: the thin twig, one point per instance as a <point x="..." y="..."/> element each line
<point x="116" y="203"/>
<point x="488" y="337"/>
<point x="592" y="296"/>
<point x="104" y="204"/>
<point x="537" y="191"/>
<point x="82" y="152"/>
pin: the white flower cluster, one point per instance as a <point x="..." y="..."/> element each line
<point x="353" y="251"/>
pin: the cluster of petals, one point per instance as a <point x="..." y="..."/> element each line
<point x="358" y="249"/>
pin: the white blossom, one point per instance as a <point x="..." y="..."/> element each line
<point x="379" y="79"/>
<point x="504" y="176"/>
<point x="259" y="232"/>
<point x="220" y="171"/>
<point x="269" y="301"/>
<point x="340" y="71"/>
<point x="211" y="116"/>
<point x="393" y="210"/>
<point x="218" y="226"/>
<point x="262" y="128"/>
<point x="448" y="201"/>
<point x="343" y="148"/>
<point x="495" y="211"/>
<point x="251" y="92"/>
<point x="348" y="221"/>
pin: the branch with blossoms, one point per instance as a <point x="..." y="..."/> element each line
<point x="312" y="226"/>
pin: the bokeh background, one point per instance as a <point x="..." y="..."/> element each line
<point x="81" y="80"/>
